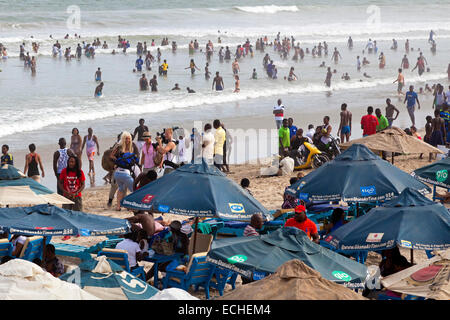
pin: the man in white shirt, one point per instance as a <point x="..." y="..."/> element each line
<point x="181" y="150"/>
<point x="131" y="245"/>
<point x="310" y="132"/>
<point x="278" y="111"/>
<point x="208" y="144"/>
<point x="219" y="140"/>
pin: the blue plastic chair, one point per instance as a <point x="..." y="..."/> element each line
<point x="32" y="248"/>
<point x="220" y="277"/>
<point x="120" y="257"/>
<point x="5" y="248"/>
<point x="199" y="274"/>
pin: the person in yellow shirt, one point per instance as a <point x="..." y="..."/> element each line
<point x="219" y="140"/>
<point x="164" y="66"/>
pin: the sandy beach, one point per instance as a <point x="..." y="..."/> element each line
<point x="268" y="190"/>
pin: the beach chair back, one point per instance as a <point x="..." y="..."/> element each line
<point x="32" y="248"/>
<point x="203" y="243"/>
<point x="120" y="257"/>
<point x="198" y="269"/>
<point x="5" y="248"/>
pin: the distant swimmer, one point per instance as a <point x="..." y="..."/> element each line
<point x="189" y="90"/>
<point x="407" y="46"/>
<point x="350" y="43"/>
<point x="328" y="77"/>
<point x="400" y="81"/>
<point x="192" y="66"/>
<point x="394" y="44"/>
<point x="292" y="76"/>
<point x="420" y="66"/>
<point x="322" y="65"/>
<point x="255" y="75"/>
<point x="143" y="83"/>
<point x="139" y="63"/>
<point x="164" y="67"/>
<point x="153" y="84"/>
<point x="365" y="61"/>
<point x="358" y="63"/>
<point x="430" y="39"/>
<point x="405" y="62"/>
<point x="218" y="82"/>
<point x="345" y="76"/>
<point x="336" y="55"/>
<point x="237" y="84"/>
<point x="99" y="90"/>
<point x="176" y="87"/>
<point x="207" y="72"/>
<point x="98" y="75"/>
<point x="366" y="75"/>
<point x="382" y="59"/>
<point x="235" y="66"/>
<point x="369" y="46"/>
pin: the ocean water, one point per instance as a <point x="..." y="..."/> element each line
<point x="43" y="107"/>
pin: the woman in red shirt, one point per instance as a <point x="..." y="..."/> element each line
<point x="71" y="181"/>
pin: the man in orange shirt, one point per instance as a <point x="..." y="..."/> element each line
<point x="301" y="221"/>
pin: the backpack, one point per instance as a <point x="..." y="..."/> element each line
<point x="127" y="160"/>
<point x="107" y="162"/>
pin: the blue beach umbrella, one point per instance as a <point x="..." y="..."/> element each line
<point x="196" y="190"/>
<point x="106" y="280"/>
<point x="411" y="221"/>
<point x="48" y="220"/>
<point x="356" y="175"/>
<point x="17" y="189"/>
<point x="436" y="173"/>
<point x="258" y="256"/>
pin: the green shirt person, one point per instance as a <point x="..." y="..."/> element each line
<point x="284" y="135"/>
<point x="383" y="122"/>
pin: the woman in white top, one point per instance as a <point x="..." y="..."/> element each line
<point x="91" y="143"/>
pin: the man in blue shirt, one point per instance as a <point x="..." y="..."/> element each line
<point x="411" y="98"/>
<point x="6" y="158"/>
<point x="139" y="64"/>
<point x="292" y="128"/>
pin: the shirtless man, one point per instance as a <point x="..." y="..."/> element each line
<point x="438" y="133"/>
<point x="405" y="62"/>
<point x="143" y="83"/>
<point x="99" y="90"/>
<point x="218" y="81"/>
<point x="235" y="67"/>
<point x="345" y="127"/>
<point x="328" y="78"/>
<point x="336" y="55"/>
<point x="98" y="75"/>
<point x="390" y="108"/>
<point x="154" y="84"/>
<point x="400" y="81"/>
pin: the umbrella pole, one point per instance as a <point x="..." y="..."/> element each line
<point x="392" y="158"/>
<point x="195" y="234"/>
<point x="412" y="256"/>
<point x="43" y="248"/>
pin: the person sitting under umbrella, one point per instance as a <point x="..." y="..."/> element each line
<point x="256" y="222"/>
<point x="131" y="245"/>
<point x="301" y="221"/>
<point x="51" y="263"/>
<point x="337" y="220"/>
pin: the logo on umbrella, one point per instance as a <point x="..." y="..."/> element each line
<point x="237" y="207"/>
<point x="374" y="237"/>
<point x="406" y="244"/>
<point x="368" y="191"/>
<point x="441" y="175"/>
<point x="148" y="198"/>
<point x="237" y="258"/>
<point x="341" y="276"/>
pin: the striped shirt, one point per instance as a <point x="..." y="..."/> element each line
<point x="250" y="231"/>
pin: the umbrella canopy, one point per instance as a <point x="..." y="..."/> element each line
<point x="429" y="279"/>
<point x="196" y="190"/>
<point x="48" y="220"/>
<point x="436" y="173"/>
<point x="394" y="140"/>
<point x="24" y="280"/>
<point x="106" y="280"/>
<point x="411" y="221"/>
<point x="257" y="256"/>
<point x="17" y="189"/>
<point x="355" y="175"/>
<point x="293" y="280"/>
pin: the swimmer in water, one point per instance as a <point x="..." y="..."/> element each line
<point x="207" y="73"/>
<point x="292" y="76"/>
<point x="176" y="87"/>
<point x="192" y="66"/>
<point x="99" y="90"/>
<point x="328" y="77"/>
<point x="218" y="82"/>
<point x="322" y="65"/>
<point x="236" y="84"/>
<point x="366" y="75"/>
<point x="336" y="55"/>
<point x="189" y="90"/>
<point x="98" y="75"/>
<point x="254" y="74"/>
